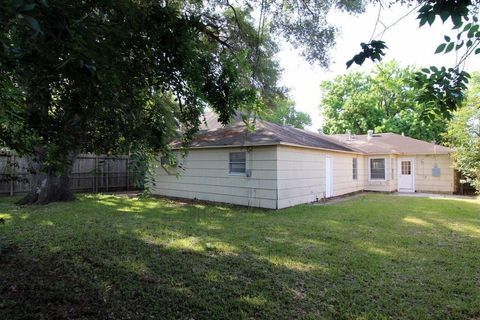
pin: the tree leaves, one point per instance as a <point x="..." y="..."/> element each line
<point x="33" y="24"/>
<point x="449" y="47"/>
<point x="373" y="51"/>
<point x="440" y="48"/>
<point x="455" y="10"/>
<point x="464" y="134"/>
<point x="384" y="100"/>
<point x="103" y="76"/>
<point x="442" y="88"/>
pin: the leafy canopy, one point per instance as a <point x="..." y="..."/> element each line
<point x="464" y="135"/>
<point x="284" y="113"/>
<point x="384" y="100"/>
<point x="443" y="88"/>
<point x="123" y="75"/>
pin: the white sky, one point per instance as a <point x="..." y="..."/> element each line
<point x="407" y="44"/>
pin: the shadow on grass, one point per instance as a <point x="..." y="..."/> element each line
<point x="110" y="257"/>
<point x="129" y="278"/>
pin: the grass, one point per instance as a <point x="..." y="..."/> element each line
<point x="109" y="257"/>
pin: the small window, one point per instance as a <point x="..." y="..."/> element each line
<point x="237" y="163"/>
<point x="436" y="171"/>
<point x="392" y="171"/>
<point x="377" y="169"/>
<point x="355" y="168"/>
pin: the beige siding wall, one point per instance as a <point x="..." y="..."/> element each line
<point x="205" y="176"/>
<point x="301" y="175"/>
<point x="426" y="182"/>
<point x="390" y="182"/>
<point x="290" y="174"/>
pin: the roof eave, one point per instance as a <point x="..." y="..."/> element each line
<point x="247" y="145"/>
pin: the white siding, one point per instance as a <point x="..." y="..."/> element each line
<point x="204" y="175"/>
<point x="301" y="175"/>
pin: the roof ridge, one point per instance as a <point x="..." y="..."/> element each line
<point x="314" y="134"/>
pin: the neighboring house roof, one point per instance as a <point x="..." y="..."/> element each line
<point x="391" y="143"/>
<point x="265" y="133"/>
<point x="213" y="134"/>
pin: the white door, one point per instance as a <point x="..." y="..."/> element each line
<point x="328" y="177"/>
<point x="406" y="175"/>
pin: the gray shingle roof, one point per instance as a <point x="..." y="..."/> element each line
<point x="214" y="135"/>
<point x="391" y="143"/>
<point x="265" y="133"/>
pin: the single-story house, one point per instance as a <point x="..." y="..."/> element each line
<point x="278" y="166"/>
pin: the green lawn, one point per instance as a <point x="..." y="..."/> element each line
<point x="107" y="257"/>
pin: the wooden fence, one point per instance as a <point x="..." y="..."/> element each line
<point x="90" y="173"/>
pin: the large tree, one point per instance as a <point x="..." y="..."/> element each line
<point x="464" y="135"/>
<point x="442" y="88"/>
<point x="122" y="76"/>
<point x="284" y="113"/>
<point x="384" y="100"/>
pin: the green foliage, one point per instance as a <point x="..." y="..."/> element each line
<point x="455" y="10"/>
<point x="2" y="221"/>
<point x="373" y="51"/>
<point x="284" y="113"/>
<point x="384" y="100"/>
<point x="305" y="23"/>
<point x="122" y="76"/>
<point x="442" y="88"/>
<point x="464" y="135"/>
<point x="111" y="77"/>
<point x="144" y="164"/>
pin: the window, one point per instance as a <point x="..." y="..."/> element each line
<point x="406" y="167"/>
<point x="377" y="169"/>
<point x="392" y="170"/>
<point x="355" y="168"/>
<point x="237" y="163"/>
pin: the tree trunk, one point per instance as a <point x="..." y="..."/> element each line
<point x="48" y="186"/>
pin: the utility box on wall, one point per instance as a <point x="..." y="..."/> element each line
<point x="436" y="171"/>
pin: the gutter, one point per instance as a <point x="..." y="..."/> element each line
<point x="272" y="144"/>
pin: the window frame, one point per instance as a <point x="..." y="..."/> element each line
<point x="408" y="168"/>
<point x="370" y="169"/>
<point x="230" y="173"/>
<point x="355" y="169"/>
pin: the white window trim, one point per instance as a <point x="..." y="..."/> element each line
<point x="369" y="169"/>
<point x="237" y="174"/>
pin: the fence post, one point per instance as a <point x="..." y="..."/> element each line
<point x="127" y="173"/>
<point x="95" y="175"/>
<point x="108" y="170"/>
<point x="12" y="174"/>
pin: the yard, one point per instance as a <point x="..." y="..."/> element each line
<point x="110" y="257"/>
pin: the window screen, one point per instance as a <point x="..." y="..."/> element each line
<point x="355" y="168"/>
<point x="377" y="169"/>
<point x="237" y="163"/>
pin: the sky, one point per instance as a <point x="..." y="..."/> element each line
<point x="408" y="44"/>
